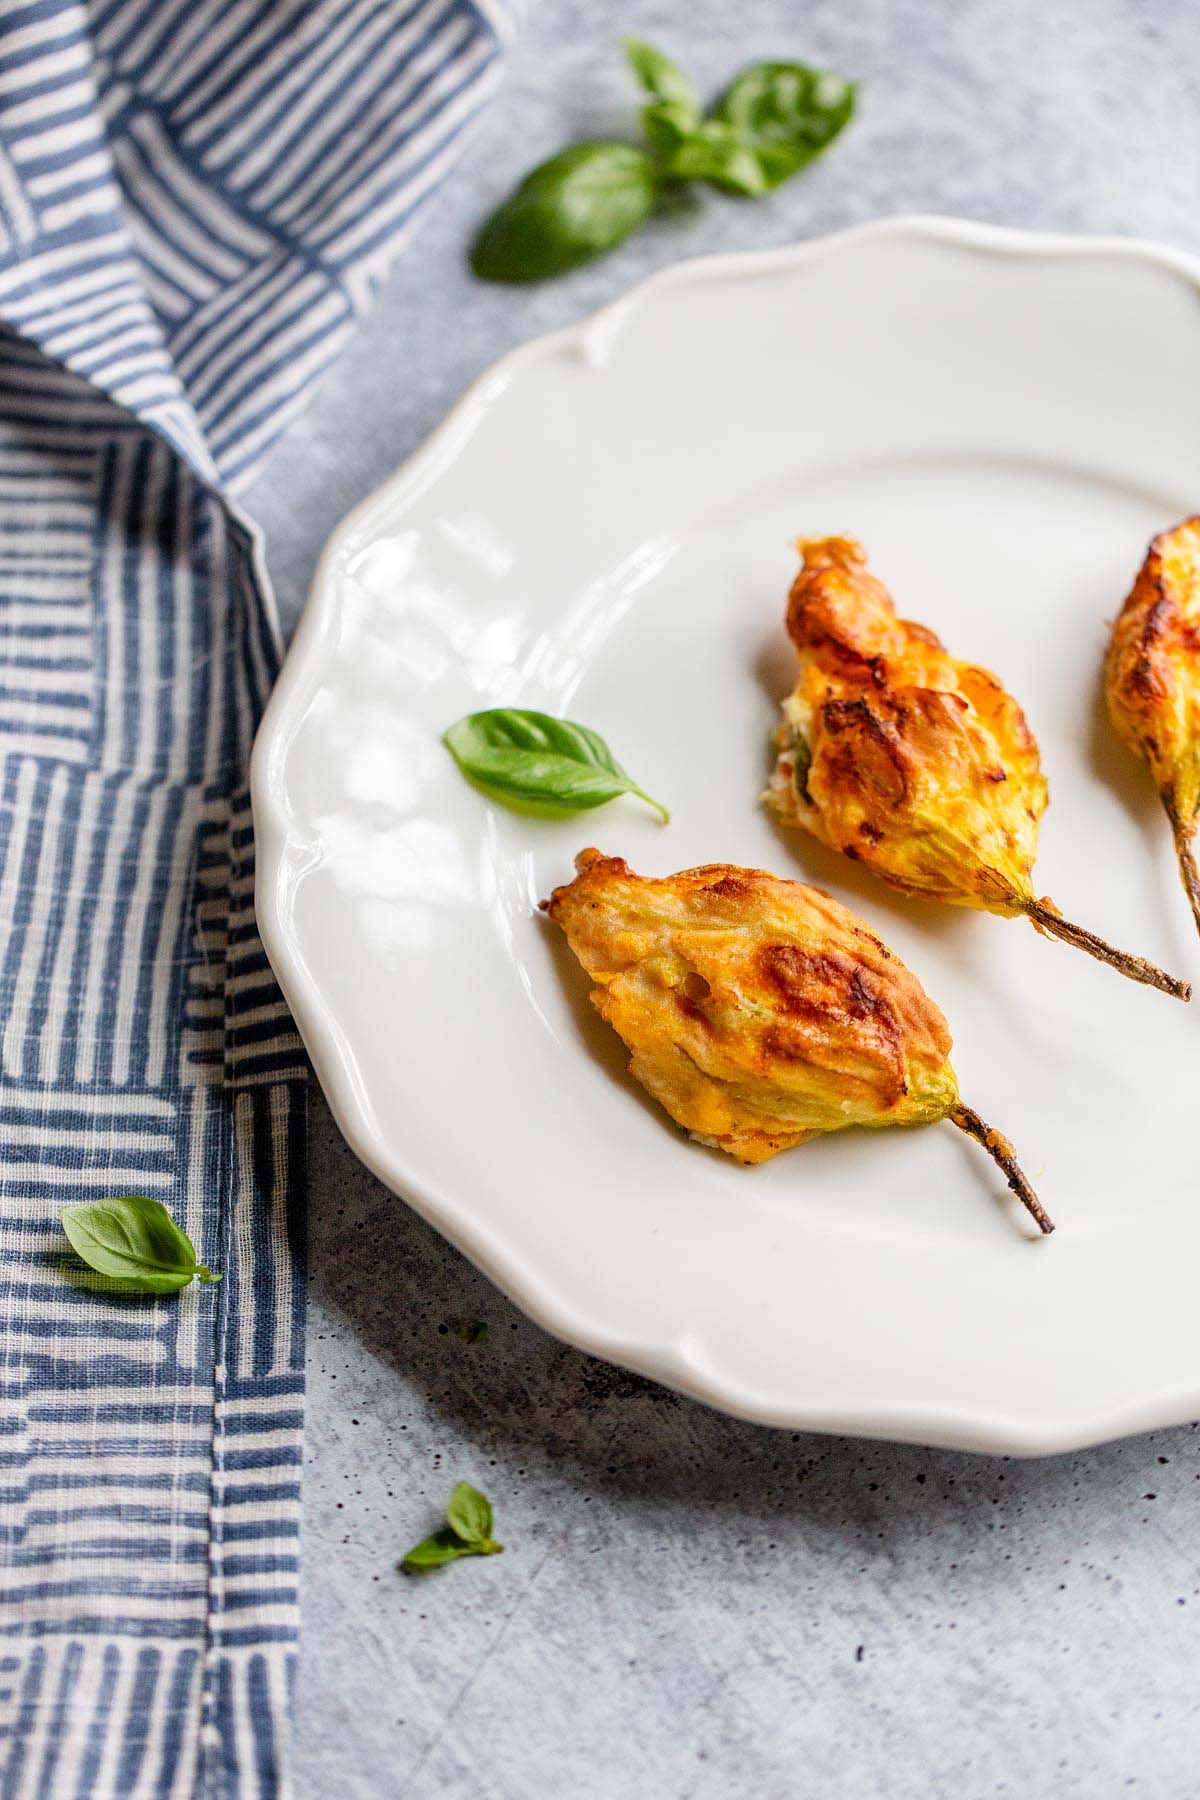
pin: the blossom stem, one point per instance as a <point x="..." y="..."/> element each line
<point x="1005" y="1159"/>
<point x="1046" y="917"/>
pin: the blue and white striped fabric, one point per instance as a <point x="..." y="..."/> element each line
<point x="196" y="199"/>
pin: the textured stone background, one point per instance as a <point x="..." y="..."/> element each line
<point x="690" y="1606"/>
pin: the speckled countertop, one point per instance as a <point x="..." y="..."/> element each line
<point x="690" y="1606"/>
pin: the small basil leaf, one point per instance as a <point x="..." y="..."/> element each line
<point x="715" y="153"/>
<point x="474" y="1331"/>
<point x="470" y="1514"/>
<point x="540" y="764"/>
<point x="439" y="1547"/>
<point x="667" y="124"/>
<point x="576" y="206"/>
<point x="135" y="1242"/>
<point x="661" y="78"/>
<point x="786" y="113"/>
<point x="674" y="109"/>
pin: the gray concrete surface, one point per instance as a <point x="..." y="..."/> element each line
<point x="689" y="1606"/>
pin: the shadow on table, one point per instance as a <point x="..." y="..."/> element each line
<point x="518" y="1395"/>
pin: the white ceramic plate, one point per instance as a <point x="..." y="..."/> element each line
<point x="602" y="529"/>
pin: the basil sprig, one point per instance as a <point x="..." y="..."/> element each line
<point x="135" y="1243"/>
<point x="467" y="1532"/>
<point x="538" y="764"/>
<point x="770" y="123"/>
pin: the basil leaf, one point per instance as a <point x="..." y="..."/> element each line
<point x="667" y="124"/>
<point x="474" y="1331"/>
<point x="470" y="1514"/>
<point x="439" y="1547"/>
<point x="716" y="153"/>
<point x="135" y="1242"/>
<point x="566" y="211"/>
<point x="539" y="764"/>
<point x="661" y="78"/>
<point x="674" y="111"/>
<point x="786" y="113"/>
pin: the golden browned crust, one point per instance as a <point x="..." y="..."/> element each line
<point x="897" y="754"/>
<point x="757" y="1011"/>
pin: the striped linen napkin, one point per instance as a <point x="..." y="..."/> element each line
<point x="196" y="199"/>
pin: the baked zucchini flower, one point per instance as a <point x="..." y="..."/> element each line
<point x="918" y="766"/>
<point x="1152" y="681"/>
<point x="760" y="1013"/>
